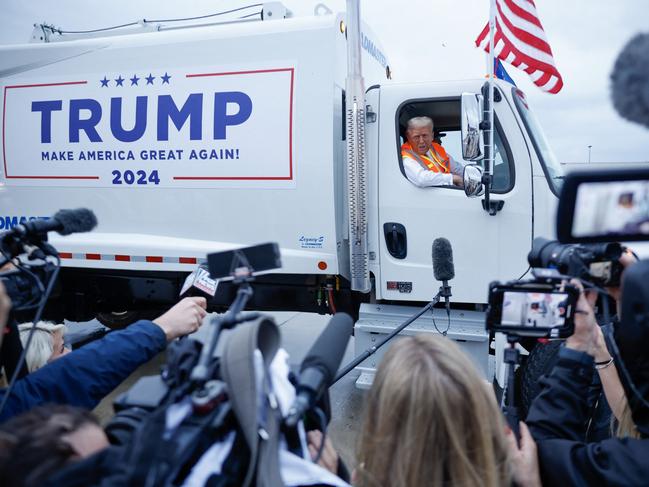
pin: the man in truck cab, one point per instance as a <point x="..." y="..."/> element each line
<point x="425" y="162"/>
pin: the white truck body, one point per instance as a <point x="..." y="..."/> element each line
<point x="195" y="140"/>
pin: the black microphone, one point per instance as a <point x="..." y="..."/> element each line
<point x="64" y="222"/>
<point x="443" y="268"/>
<point x="199" y="283"/>
<point x="320" y="365"/>
<point x="630" y="80"/>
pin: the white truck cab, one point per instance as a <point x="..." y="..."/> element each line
<point x="186" y="141"/>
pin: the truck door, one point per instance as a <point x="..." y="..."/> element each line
<point x="485" y="248"/>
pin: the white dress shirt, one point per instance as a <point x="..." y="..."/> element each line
<point x="423" y="178"/>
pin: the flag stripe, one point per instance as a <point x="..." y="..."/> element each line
<point x="526" y="32"/>
<point x="519" y="39"/>
<point x="519" y="10"/>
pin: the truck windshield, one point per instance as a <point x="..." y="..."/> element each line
<point x="551" y="167"/>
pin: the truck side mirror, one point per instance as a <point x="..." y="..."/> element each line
<point x="472" y="107"/>
<point x="473" y="180"/>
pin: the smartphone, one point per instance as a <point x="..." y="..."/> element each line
<point x="532" y="311"/>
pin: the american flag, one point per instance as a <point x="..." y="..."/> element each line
<point x="519" y="40"/>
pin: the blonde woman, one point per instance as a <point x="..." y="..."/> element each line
<point x="47" y="343"/>
<point x="430" y="419"/>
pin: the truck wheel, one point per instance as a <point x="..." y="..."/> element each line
<point x="116" y="320"/>
<point x="540" y="361"/>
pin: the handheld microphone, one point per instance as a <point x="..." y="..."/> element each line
<point x="630" y="80"/>
<point x="443" y="268"/>
<point x="320" y="365"/>
<point x="199" y="283"/>
<point x="64" y="222"/>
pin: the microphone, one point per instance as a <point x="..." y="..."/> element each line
<point x="199" y="283"/>
<point x="64" y="222"/>
<point x="320" y="365"/>
<point x="443" y="268"/>
<point x="630" y="80"/>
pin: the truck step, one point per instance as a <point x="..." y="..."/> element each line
<point x="467" y="329"/>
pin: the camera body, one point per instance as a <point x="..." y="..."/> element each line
<point x="24" y="289"/>
<point x="597" y="263"/>
<point x="541" y="308"/>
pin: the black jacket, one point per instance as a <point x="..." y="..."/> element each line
<point x="558" y="419"/>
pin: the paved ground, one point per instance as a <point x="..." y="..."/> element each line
<point x="299" y="330"/>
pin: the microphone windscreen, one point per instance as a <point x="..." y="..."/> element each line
<point x="630" y="80"/>
<point x="443" y="267"/>
<point x="75" y="221"/>
<point x="327" y="351"/>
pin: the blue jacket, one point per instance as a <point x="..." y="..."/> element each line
<point x="85" y="376"/>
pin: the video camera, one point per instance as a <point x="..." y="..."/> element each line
<point x="538" y="308"/>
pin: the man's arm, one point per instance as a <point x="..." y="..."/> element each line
<point x="423" y="178"/>
<point x="85" y="376"/>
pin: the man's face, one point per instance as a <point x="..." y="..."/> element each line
<point x="420" y="139"/>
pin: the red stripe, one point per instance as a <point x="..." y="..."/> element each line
<point x="93" y="256"/>
<point x="65" y="255"/>
<point x="530" y="61"/>
<point x="238" y="72"/>
<point x="524" y="36"/>
<point x="523" y="14"/>
<point x="123" y="258"/>
<point x="49" y="84"/>
<point x="153" y="258"/>
<point x="187" y="260"/>
<point x="481" y="37"/>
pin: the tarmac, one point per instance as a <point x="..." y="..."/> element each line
<point x="299" y="331"/>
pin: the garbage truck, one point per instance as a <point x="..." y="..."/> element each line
<point x="188" y="140"/>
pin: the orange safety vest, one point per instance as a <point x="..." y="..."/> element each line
<point x="436" y="159"/>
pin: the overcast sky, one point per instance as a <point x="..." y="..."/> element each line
<point x="433" y="39"/>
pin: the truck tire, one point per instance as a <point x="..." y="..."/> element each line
<point x="116" y="320"/>
<point x="540" y="361"/>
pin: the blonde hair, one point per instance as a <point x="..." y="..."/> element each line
<point x="42" y="344"/>
<point x="430" y="419"/>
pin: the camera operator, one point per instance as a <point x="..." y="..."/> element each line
<point x="558" y="416"/>
<point x="85" y="376"/>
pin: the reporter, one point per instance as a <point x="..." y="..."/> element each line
<point x="85" y="376"/>
<point x="38" y="444"/>
<point x="558" y="416"/>
<point x="431" y="420"/>
<point x="47" y="343"/>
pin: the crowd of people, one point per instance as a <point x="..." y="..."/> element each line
<point x="429" y="419"/>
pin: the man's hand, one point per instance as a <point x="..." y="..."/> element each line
<point x="524" y="459"/>
<point x="626" y="259"/>
<point x="329" y="458"/>
<point x="458" y="181"/>
<point x="587" y="335"/>
<point x="185" y="317"/>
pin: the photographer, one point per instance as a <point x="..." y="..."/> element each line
<point x="559" y="415"/>
<point x="85" y="376"/>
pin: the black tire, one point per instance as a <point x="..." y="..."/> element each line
<point x="540" y="361"/>
<point x="117" y="320"/>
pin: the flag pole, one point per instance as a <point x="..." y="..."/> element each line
<point x="490" y="71"/>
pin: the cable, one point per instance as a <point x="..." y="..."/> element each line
<point x="37" y="318"/>
<point x="131" y="24"/>
<point x="210" y="15"/>
<point x="448" y="326"/>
